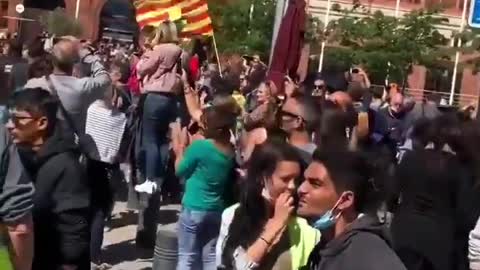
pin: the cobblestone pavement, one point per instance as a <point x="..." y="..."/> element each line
<point x="119" y="244"/>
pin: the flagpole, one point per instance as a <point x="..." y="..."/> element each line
<point x="397" y="8"/>
<point x="279" y="11"/>
<point x="216" y="54"/>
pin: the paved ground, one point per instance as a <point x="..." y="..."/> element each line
<point x="119" y="244"/>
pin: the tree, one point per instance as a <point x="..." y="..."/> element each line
<point x="57" y="22"/>
<point x="236" y="33"/>
<point x="384" y="44"/>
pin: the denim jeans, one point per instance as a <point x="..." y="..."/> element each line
<point x="97" y="233"/>
<point x="197" y="236"/>
<point x="159" y="110"/>
<point x="102" y="203"/>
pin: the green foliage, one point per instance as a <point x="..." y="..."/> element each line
<point x="386" y="45"/>
<point x="470" y="38"/>
<point x="59" y="23"/>
<point x="314" y="30"/>
<point x="236" y="33"/>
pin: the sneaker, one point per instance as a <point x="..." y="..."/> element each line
<point x="105" y="266"/>
<point x="148" y="187"/>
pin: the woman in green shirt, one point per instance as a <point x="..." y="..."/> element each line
<point x="207" y="166"/>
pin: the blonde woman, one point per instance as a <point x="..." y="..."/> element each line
<point x="158" y="71"/>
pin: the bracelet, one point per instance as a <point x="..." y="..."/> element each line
<point x="265" y="240"/>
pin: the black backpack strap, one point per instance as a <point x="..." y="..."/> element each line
<point x="63" y="111"/>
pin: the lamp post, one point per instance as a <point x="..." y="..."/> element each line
<point x="457" y="54"/>
<point x="77" y="9"/>
<point x="325" y="21"/>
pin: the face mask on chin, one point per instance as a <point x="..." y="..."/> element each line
<point x="266" y="194"/>
<point x="328" y="220"/>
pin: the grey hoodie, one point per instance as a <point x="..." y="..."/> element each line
<point x="365" y="246"/>
<point x="16" y="189"/>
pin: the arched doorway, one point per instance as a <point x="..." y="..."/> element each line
<point x="117" y="21"/>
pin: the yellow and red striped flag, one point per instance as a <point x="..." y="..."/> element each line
<point x="194" y="12"/>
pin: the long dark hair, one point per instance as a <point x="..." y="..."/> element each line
<point x="252" y="214"/>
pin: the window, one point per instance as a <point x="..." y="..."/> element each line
<point x="4" y="5"/>
<point x="3" y="12"/>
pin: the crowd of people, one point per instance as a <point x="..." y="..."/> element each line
<point x="271" y="174"/>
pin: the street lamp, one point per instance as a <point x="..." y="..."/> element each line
<point x="77" y="9"/>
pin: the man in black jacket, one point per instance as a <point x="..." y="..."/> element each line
<point x="62" y="199"/>
<point x="336" y="196"/>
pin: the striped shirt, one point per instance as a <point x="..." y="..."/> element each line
<point x="106" y="127"/>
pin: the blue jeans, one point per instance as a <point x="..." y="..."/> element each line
<point x="197" y="236"/>
<point x="159" y="110"/>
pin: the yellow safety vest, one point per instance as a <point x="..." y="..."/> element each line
<point x="5" y="261"/>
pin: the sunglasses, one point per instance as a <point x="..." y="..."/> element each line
<point x="318" y="91"/>
<point x="17" y="118"/>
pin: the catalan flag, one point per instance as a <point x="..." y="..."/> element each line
<point x="194" y="13"/>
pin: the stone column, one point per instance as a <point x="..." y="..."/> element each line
<point x="13" y="24"/>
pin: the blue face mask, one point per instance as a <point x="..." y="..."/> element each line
<point x="327" y="220"/>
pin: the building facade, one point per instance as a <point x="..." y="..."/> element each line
<point x="468" y="81"/>
<point x="89" y="14"/>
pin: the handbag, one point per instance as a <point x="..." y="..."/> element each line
<point x="85" y="143"/>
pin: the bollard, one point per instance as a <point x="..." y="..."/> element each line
<point x="166" y="250"/>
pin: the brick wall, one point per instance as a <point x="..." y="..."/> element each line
<point x="89" y="16"/>
<point x="470" y="87"/>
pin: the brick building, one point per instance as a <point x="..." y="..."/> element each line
<point x="467" y="83"/>
<point x="89" y="14"/>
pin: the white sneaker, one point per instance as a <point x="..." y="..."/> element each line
<point x="148" y="187"/>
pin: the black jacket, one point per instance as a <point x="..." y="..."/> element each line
<point x="7" y="63"/>
<point x="61" y="205"/>
<point x="365" y="246"/>
<point x="426" y="223"/>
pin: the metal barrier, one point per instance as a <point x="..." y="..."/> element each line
<point x="459" y="100"/>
